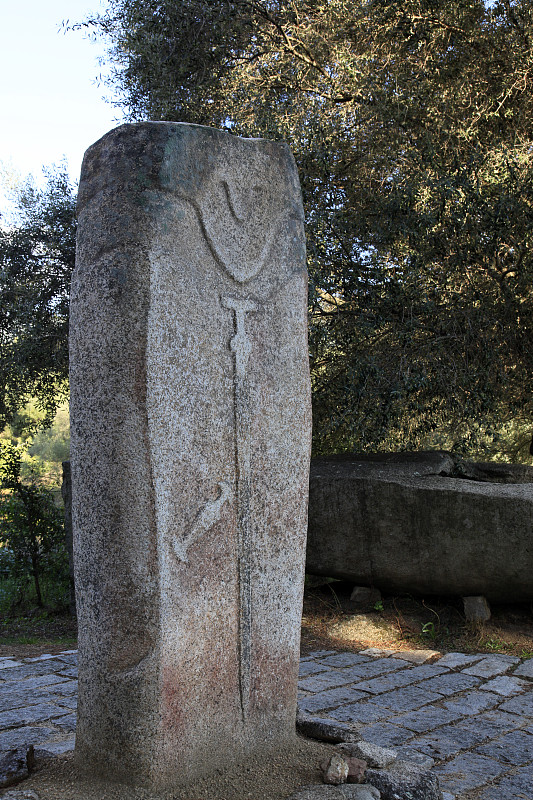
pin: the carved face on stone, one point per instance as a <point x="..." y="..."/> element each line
<point x="239" y="211"/>
<point x="228" y="228"/>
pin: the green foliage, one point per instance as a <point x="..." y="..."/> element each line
<point x="42" y="449"/>
<point x="32" y="542"/>
<point x="36" y="262"/>
<point x="411" y="125"/>
<point x="48" y="449"/>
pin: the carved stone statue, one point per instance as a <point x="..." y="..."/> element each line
<point x="190" y="409"/>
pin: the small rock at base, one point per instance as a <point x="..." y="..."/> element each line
<point x="15" y="765"/>
<point x="365" y="595"/>
<point x="374" y="755"/>
<point x="356" y="769"/>
<point x="325" y="730"/>
<point x="476" y="609"/>
<point x="345" y="792"/>
<point x="335" y="770"/>
<point x="20" y="794"/>
<point x="406" y="781"/>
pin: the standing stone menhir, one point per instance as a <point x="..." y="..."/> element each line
<point x="190" y="408"/>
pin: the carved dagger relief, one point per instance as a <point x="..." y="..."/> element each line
<point x="206" y="518"/>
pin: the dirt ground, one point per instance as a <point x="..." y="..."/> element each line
<point x="273" y="778"/>
<point x="332" y="621"/>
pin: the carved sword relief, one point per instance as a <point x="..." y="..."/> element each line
<point x="241" y="347"/>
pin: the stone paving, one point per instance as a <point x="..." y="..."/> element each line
<point x="469" y="717"/>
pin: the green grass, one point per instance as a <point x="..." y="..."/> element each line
<point x="68" y="642"/>
<point x="22" y="622"/>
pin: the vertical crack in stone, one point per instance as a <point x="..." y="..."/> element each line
<point x="241" y="347"/>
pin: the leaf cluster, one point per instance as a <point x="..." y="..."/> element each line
<point x="36" y="260"/>
<point x="31" y="527"/>
<point x="410" y="121"/>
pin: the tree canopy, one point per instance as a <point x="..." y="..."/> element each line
<point x="36" y="260"/>
<point x="411" y="122"/>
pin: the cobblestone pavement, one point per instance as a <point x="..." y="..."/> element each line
<point x="470" y="717"/>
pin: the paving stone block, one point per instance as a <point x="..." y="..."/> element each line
<point x="506" y="685"/>
<point x="67" y="702"/>
<point x="407" y="753"/>
<point x="523" y="705"/>
<point x="377" y="652"/>
<point x="32" y="670"/>
<point x="15" y="765"/>
<point x="19" y="699"/>
<point x="451" y="739"/>
<point x="310" y="668"/>
<point x="375" y="756"/>
<point x="372" y="669"/>
<point x="345" y="792"/>
<point x="64" y="689"/>
<point x="514" y="748"/>
<point x="10" y="740"/>
<point x="67" y="722"/>
<point x="362" y="712"/>
<point x="69" y="658"/>
<point x="345" y="660"/>
<point x="30" y="684"/>
<point x="517" y="786"/>
<point x="329" y="699"/>
<point x="456" y="660"/>
<point x="404" y="780"/>
<point x="20" y="794"/>
<point x="416" y="656"/>
<point x="498" y="792"/>
<point x="427" y="719"/>
<point x="408" y="698"/>
<point x="405" y="677"/>
<point x="467" y="771"/>
<point x="46" y="657"/>
<point x="525" y="670"/>
<point x="70" y="672"/>
<point x="473" y="702"/>
<point x="386" y="735"/>
<point x="451" y="683"/>
<point x="488" y="725"/>
<point x="29" y="714"/>
<point x="325" y="680"/>
<point x="491" y="666"/>
<point x="321" y="653"/>
<point x="48" y="749"/>
<point x="444" y="742"/>
<point x="326" y="730"/>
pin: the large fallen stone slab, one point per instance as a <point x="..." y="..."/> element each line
<point x="404" y="522"/>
